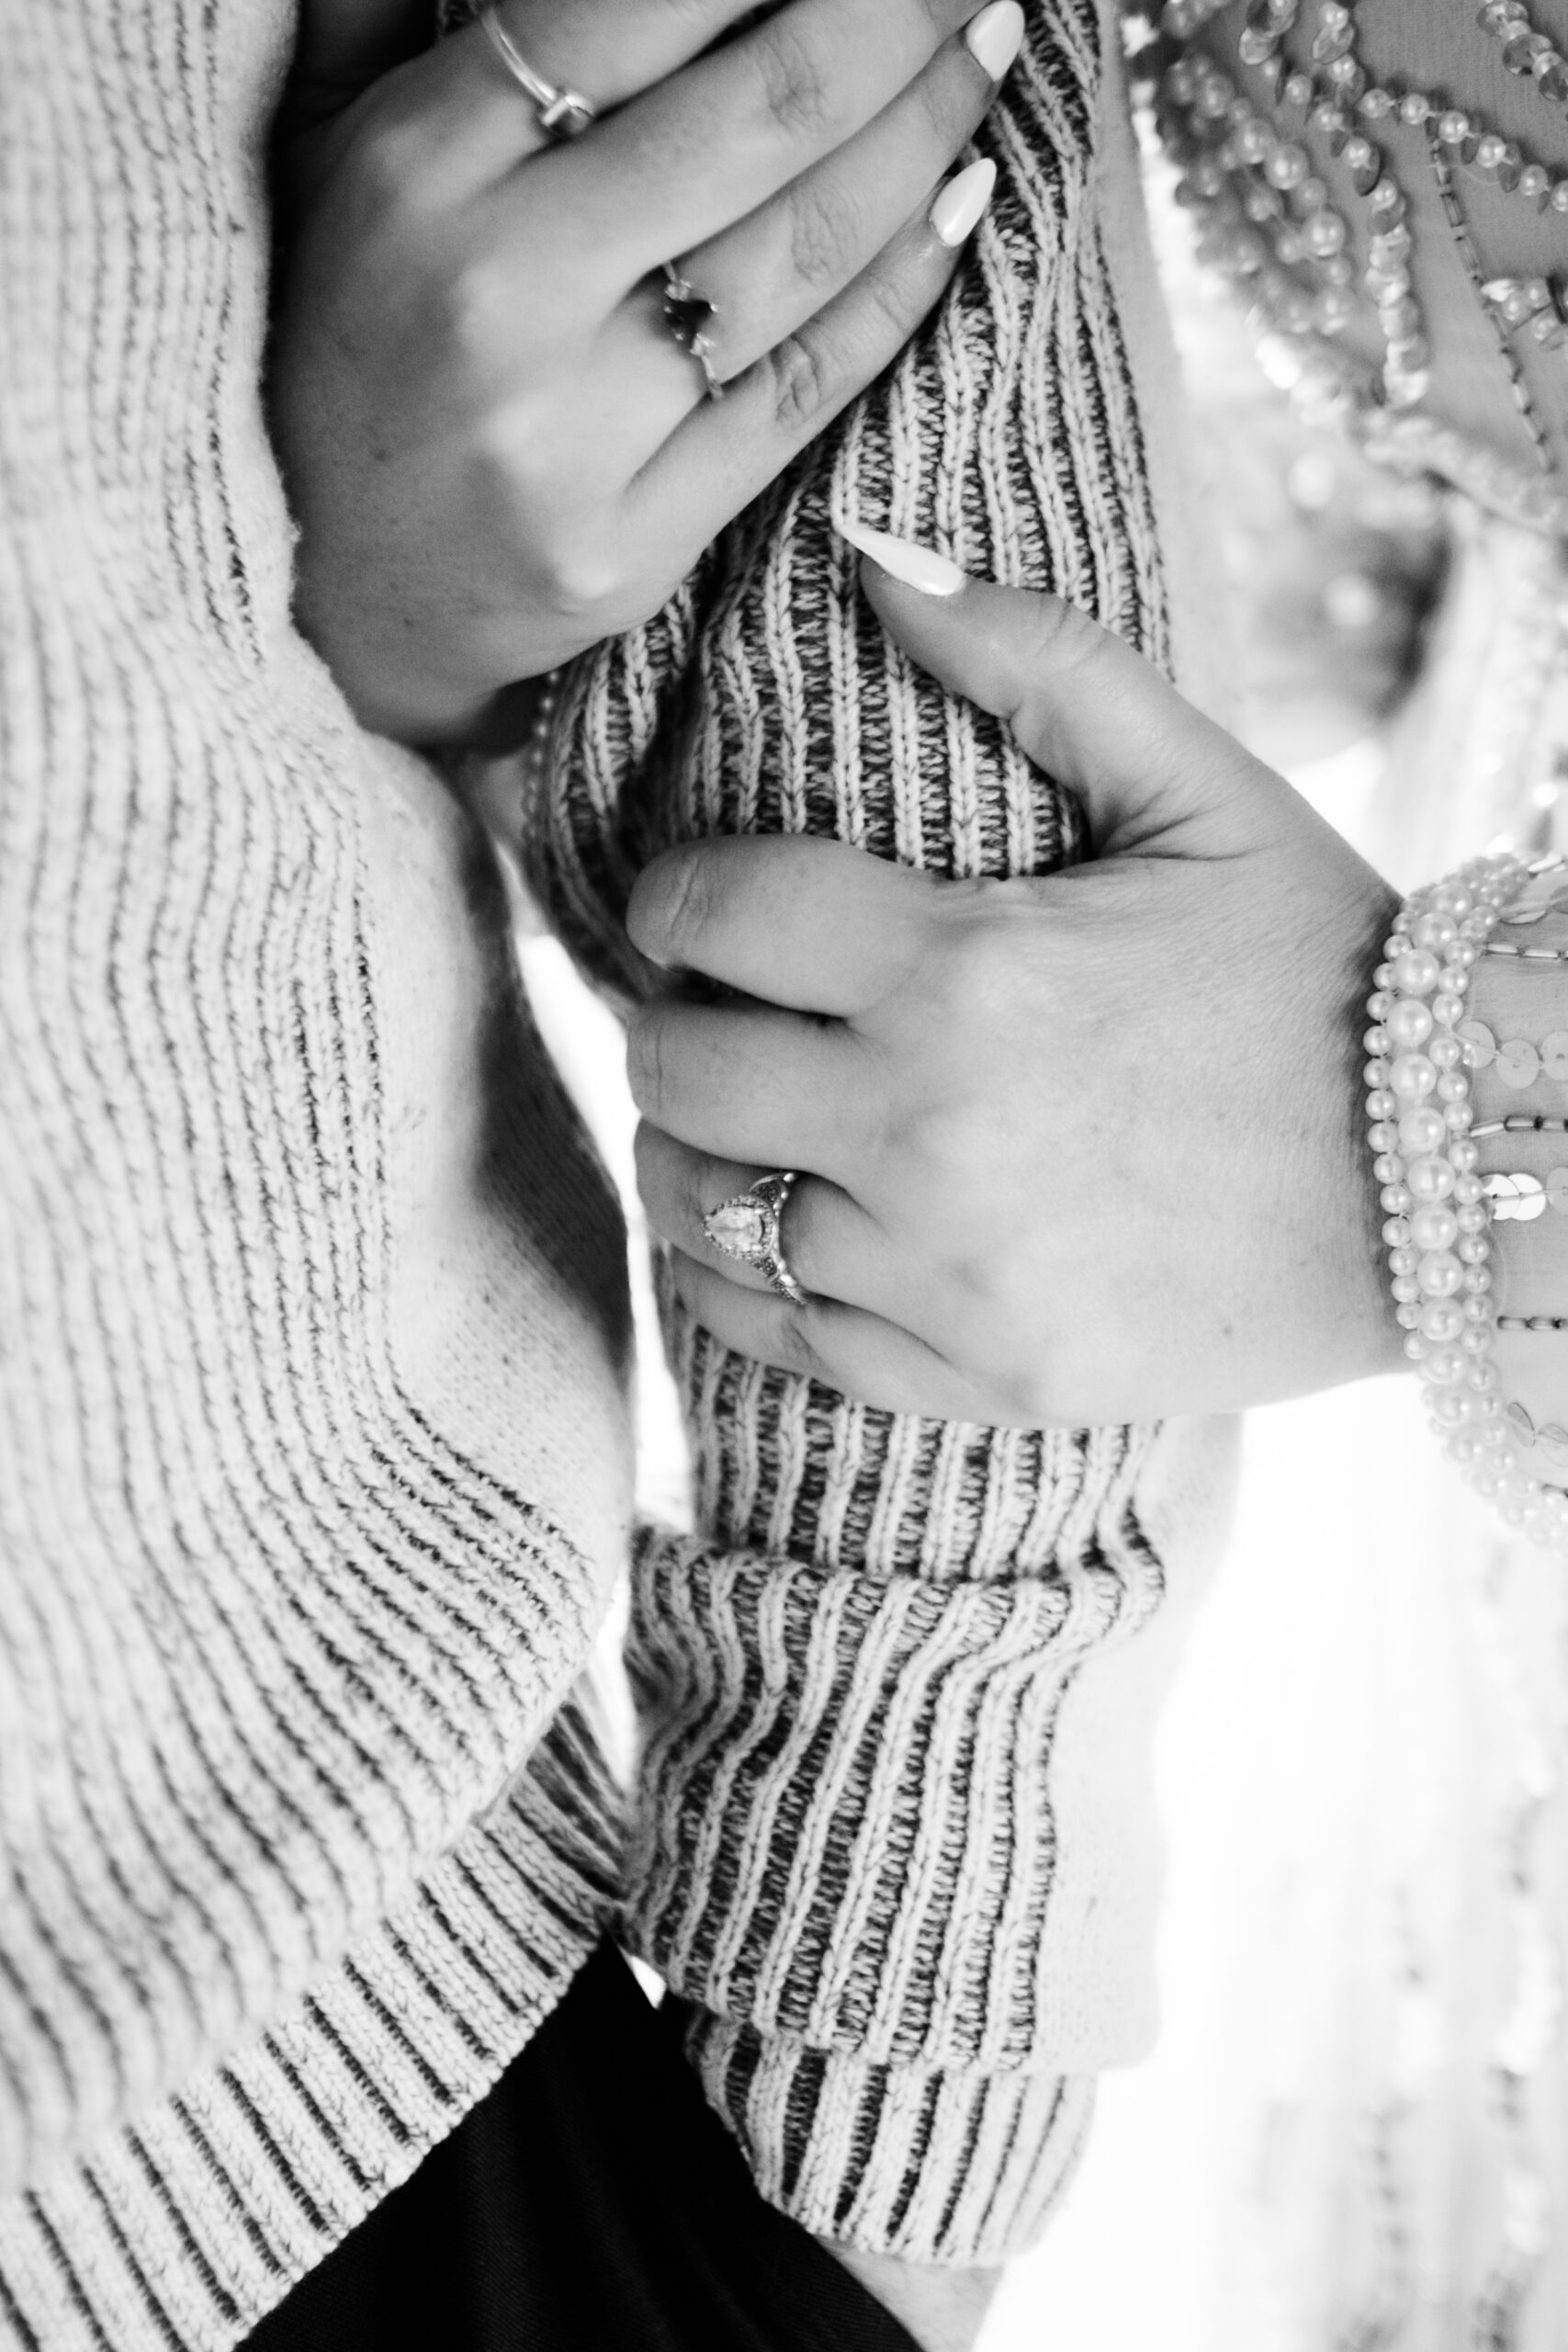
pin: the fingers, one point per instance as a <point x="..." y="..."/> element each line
<point x="832" y="1248"/>
<point x="751" y="1084"/>
<point x="706" y="147"/>
<point x="858" y="1354"/>
<point x="460" y="120"/>
<point x="812" y="924"/>
<point x="725" y="453"/>
<point x="774" y="269"/>
<point x="1082" y="704"/>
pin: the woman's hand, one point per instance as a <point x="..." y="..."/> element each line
<point x="1082" y="1149"/>
<point x="495" y="448"/>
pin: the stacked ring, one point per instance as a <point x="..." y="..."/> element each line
<point x="562" y="113"/>
<point x="687" y="314"/>
<point x="749" y="1226"/>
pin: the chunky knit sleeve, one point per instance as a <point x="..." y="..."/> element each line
<point x="312" y="1327"/>
<point x="894" y="1843"/>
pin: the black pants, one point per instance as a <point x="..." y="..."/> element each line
<point x="592" y="2202"/>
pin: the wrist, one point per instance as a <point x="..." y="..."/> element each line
<point x="943" y="2309"/>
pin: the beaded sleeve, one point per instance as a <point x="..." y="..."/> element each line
<point x="893" y="1842"/>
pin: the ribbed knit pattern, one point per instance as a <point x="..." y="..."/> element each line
<point x="313" y="1450"/>
<point x="852" y="1805"/>
<point x="313" y="1326"/>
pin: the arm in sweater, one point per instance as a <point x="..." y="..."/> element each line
<point x="894" y="1841"/>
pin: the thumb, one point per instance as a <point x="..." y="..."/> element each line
<point x="1144" y="764"/>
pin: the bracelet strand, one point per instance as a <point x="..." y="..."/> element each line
<point x="1426" y="1161"/>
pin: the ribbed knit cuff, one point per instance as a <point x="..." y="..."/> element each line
<point x="946" y="2167"/>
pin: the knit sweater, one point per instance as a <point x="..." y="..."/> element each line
<point x="897" y="1686"/>
<point x="313" y="1455"/>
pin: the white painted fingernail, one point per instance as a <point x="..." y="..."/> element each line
<point x="917" y="567"/>
<point x="994" y="37"/>
<point x="960" y="204"/>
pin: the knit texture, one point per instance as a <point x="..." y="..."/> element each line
<point x="312" y="1445"/>
<point x="858" y="1840"/>
<point x="312" y="1335"/>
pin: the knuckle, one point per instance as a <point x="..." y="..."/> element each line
<point x="826" y="233"/>
<point x="577" y="581"/>
<point x="1066" y="637"/>
<point x="679" y="904"/>
<point x="797" y="93"/>
<point x="646" y="1062"/>
<point x="478" y="298"/>
<point x="805" y="383"/>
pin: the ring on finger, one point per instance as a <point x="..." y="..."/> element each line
<point x="749" y="1226"/>
<point x="562" y="113"/>
<point x="687" y="314"/>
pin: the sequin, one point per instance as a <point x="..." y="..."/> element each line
<point x="1519" y="1064"/>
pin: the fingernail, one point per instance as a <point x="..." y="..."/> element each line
<point x="917" y="567"/>
<point x="960" y="204"/>
<point x="994" y="37"/>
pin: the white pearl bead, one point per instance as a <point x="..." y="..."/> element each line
<point x="1478" y="1309"/>
<point x="1421" y="1129"/>
<point x="1434" y="1226"/>
<point x="1409" y="1024"/>
<point x="1396" y="1232"/>
<point x="1411" y="1076"/>
<point x="1464" y="1156"/>
<point x="1406" y="1315"/>
<point x="1443" y="1366"/>
<point x="1388" y="1167"/>
<point x="1434" y="930"/>
<point x="1453" y="1087"/>
<point x="1446" y="1051"/>
<point x="1472" y="1248"/>
<point x="1396" y="1199"/>
<point x="1376" y="1040"/>
<point x="1378" y="1004"/>
<point x="1439" y="1273"/>
<point x="1441" y="1319"/>
<point x="1415" y="971"/>
<point x="1456" y="1117"/>
<point x="1383" y="1135"/>
<point x="1468" y="1188"/>
<point x="1403" y="1261"/>
<point x="1375" y="1072"/>
<point x="1478" y="1280"/>
<point x="1382" y="1105"/>
<point x="1406" y="1290"/>
<point x="1431" y="1178"/>
<point x="1476" y="1341"/>
<point x="1415" y="1347"/>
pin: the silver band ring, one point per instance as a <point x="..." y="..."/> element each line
<point x="686" y="314"/>
<point x="749" y="1226"/>
<point x="563" y="114"/>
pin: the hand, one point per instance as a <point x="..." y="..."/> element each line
<point x="1086" y="1147"/>
<point x="496" y="451"/>
<point x="942" y="2308"/>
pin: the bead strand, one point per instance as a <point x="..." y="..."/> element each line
<point x="1426" y="1163"/>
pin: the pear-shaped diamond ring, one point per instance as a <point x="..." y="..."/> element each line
<point x="749" y="1226"/>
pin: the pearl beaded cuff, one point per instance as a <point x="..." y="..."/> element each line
<point x="1426" y="1161"/>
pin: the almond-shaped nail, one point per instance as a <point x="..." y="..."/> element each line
<point x="994" y="37"/>
<point x="917" y="567"/>
<point x="959" y="205"/>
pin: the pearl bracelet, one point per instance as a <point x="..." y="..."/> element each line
<point x="1426" y="1161"/>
